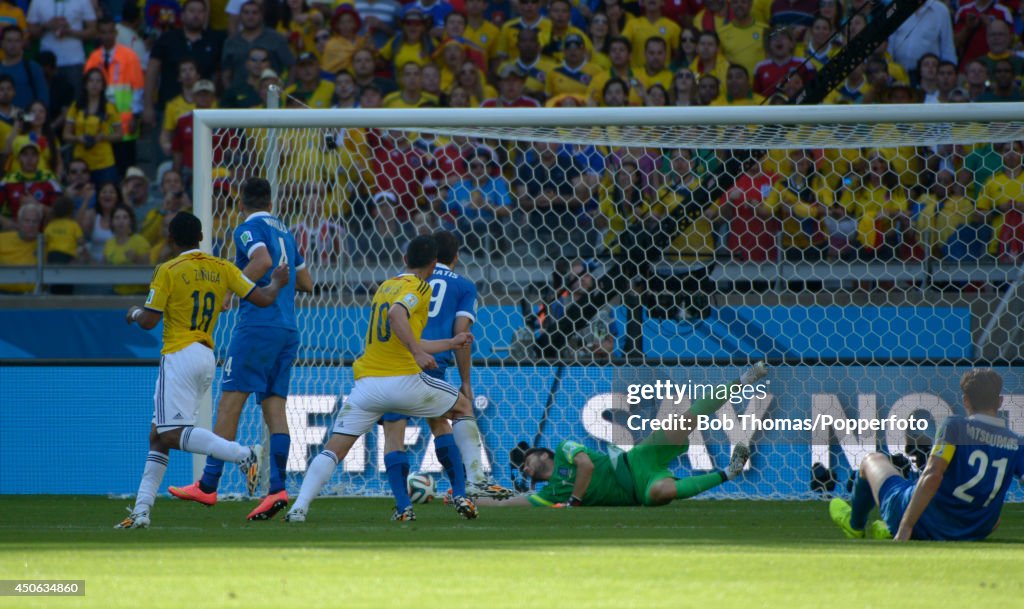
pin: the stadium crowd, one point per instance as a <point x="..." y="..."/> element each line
<point x="96" y="100"/>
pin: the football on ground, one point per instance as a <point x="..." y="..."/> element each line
<point x="421" y="487"/>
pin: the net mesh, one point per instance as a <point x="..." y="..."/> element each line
<point x="871" y="264"/>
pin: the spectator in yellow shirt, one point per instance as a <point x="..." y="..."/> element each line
<point x="741" y="38"/>
<point x="536" y="67"/>
<point x="126" y="247"/>
<point x="298" y="23"/>
<point x="344" y="41"/>
<point x="480" y="31"/>
<point x="1003" y="193"/>
<point x="93" y="125"/>
<point x="738" y="91"/>
<point x="600" y="38"/>
<point x="18" y="247"/>
<point x="654" y="72"/>
<point x="620" y="69"/>
<point x="64" y="238"/>
<point x="309" y="88"/>
<point x="709" y="57"/>
<point x="411" y="94"/>
<point x="819" y="47"/>
<point x="651" y="24"/>
<point x="576" y="73"/>
<point x="412" y="44"/>
<point x="529" y="19"/>
<point x="161" y="251"/>
<point x="559" y="12"/>
<point x="801" y="200"/>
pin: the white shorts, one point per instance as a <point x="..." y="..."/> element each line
<point x="415" y="395"/>
<point x="185" y="376"/>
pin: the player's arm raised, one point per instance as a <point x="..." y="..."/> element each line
<point x="266" y="295"/>
<point x="926" y="488"/>
<point x="260" y="263"/>
<point x="398" y="316"/>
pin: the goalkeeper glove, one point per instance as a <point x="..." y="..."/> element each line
<point x="573" y="501"/>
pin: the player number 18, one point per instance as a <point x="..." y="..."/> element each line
<point x="201" y="318"/>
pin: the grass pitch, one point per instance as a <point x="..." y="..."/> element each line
<point x="706" y="554"/>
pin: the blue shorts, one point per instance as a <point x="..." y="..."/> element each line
<point x="391" y="417"/>
<point x="260" y="361"/>
<point x="893" y="499"/>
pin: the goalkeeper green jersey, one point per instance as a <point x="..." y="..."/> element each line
<point x="604" y="488"/>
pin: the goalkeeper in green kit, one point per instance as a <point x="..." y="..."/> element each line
<point x="578" y="476"/>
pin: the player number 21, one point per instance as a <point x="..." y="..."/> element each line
<point x="201" y="318"/>
<point x="979" y="459"/>
<point x="379" y="319"/>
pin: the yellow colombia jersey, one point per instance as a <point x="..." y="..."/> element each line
<point x="188" y="291"/>
<point x="384" y="354"/>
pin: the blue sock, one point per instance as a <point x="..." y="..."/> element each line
<point x="279" y="444"/>
<point x="862" y="502"/>
<point x="397" y="464"/>
<point x="450" y="457"/>
<point x="211" y="474"/>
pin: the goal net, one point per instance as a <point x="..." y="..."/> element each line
<point x="625" y="259"/>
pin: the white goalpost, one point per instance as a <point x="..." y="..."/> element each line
<point x="867" y="252"/>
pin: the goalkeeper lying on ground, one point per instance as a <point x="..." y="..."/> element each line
<point x="579" y="476"/>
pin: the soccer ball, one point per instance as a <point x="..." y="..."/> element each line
<point x="421" y="487"/>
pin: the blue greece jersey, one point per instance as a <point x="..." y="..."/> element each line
<point x="984" y="456"/>
<point x="453" y="296"/>
<point x="266" y="340"/>
<point x="261" y="229"/>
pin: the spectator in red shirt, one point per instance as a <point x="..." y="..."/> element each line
<point x="28" y="184"/>
<point x="181" y="144"/>
<point x="752" y="225"/>
<point x="971" y="25"/>
<point x="770" y="73"/>
<point x="400" y="171"/>
<point x="510" y="90"/>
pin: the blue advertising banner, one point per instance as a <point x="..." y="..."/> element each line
<point x="336" y="333"/>
<point x="84" y="429"/>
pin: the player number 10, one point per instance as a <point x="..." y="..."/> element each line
<point x="379" y="318"/>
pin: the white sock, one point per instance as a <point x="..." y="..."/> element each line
<point x="205" y="442"/>
<point x="320" y="470"/>
<point x="152" y="476"/>
<point x="467" y="438"/>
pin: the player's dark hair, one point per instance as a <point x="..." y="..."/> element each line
<point x="256" y="194"/>
<point x="538" y="450"/>
<point x="447" y="246"/>
<point x="982" y="387"/>
<point x="185" y="230"/>
<point x="421" y="252"/>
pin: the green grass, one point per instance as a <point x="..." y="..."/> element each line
<point x="707" y="554"/>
